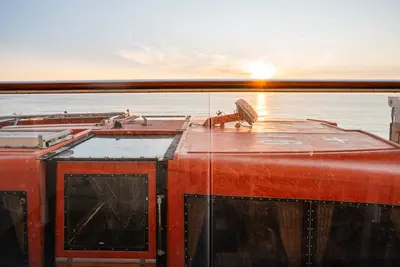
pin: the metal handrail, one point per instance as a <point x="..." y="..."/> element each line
<point x="61" y="115"/>
<point x="206" y="86"/>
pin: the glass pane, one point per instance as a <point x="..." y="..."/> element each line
<point x="106" y="212"/>
<point x="138" y="146"/>
<point x="358" y="235"/>
<point x="13" y="232"/>
<point x="245" y="232"/>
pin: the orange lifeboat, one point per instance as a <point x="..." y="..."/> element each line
<point x="123" y="190"/>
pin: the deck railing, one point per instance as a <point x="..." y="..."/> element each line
<point x="201" y="86"/>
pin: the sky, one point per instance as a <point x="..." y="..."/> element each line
<point x="149" y="39"/>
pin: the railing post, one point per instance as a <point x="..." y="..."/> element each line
<point x="394" y="103"/>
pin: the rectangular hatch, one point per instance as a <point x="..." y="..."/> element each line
<point x="121" y="147"/>
<point x="29" y="138"/>
<point x="108" y="189"/>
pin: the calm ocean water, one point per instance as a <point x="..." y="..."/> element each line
<point x="368" y="112"/>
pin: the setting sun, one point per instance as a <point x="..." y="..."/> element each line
<point x="260" y="70"/>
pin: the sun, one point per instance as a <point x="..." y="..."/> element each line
<point x="260" y="70"/>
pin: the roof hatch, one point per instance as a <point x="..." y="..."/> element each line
<point x="122" y="147"/>
<point x="29" y="138"/>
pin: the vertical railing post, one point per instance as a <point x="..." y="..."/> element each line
<point x="394" y="133"/>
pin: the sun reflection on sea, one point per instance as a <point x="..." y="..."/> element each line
<point x="261" y="106"/>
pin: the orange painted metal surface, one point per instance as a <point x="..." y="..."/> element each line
<point x="352" y="177"/>
<point x="295" y="159"/>
<point x="21" y="171"/>
<point x="281" y="136"/>
<point x="230" y="162"/>
<point x="152" y="125"/>
<point x="53" y="121"/>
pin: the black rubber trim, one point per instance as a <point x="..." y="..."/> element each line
<point x="50" y="215"/>
<point x="169" y="155"/>
<point x="311" y="228"/>
<point x="162" y="191"/>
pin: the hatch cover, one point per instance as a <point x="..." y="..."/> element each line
<point x="28" y="138"/>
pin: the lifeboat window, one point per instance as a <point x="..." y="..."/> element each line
<point x="236" y="231"/>
<point x="13" y="229"/>
<point x="106" y="212"/>
<point x="123" y="146"/>
<point x="244" y="232"/>
<point x="357" y="235"/>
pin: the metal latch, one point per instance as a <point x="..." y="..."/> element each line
<point x="160" y="251"/>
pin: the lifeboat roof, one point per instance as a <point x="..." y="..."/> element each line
<point x="265" y="136"/>
<point x="281" y="135"/>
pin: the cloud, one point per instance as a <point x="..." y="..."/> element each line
<point x="172" y="60"/>
<point x="342" y="72"/>
<point x="140" y="57"/>
<point x="141" y="61"/>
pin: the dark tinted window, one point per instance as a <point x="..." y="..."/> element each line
<point x="235" y="231"/>
<point x="245" y="232"/>
<point x="13" y="229"/>
<point x="357" y="235"/>
<point x="106" y="212"/>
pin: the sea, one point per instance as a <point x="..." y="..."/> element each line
<point x="369" y="112"/>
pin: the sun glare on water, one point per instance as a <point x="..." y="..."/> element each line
<point x="260" y="70"/>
